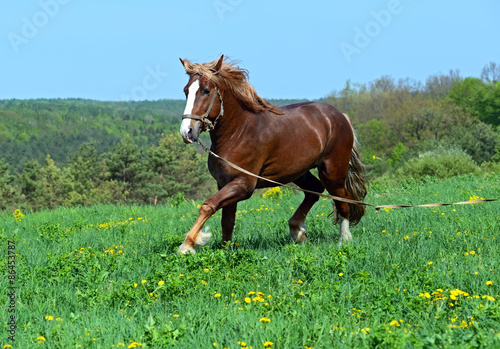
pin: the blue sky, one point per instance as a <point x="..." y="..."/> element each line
<point x="129" y="49"/>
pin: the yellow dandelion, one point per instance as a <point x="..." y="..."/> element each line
<point x="161" y="282"/>
<point x="41" y="339"/>
<point x="144" y="281"/>
<point x="264" y="319"/>
<point x="49" y="317"/>
<point x="394" y="323"/>
<point x="247" y="300"/>
<point x="176" y="315"/>
<point x="341" y="274"/>
<point x="217" y="295"/>
<point x="267" y="344"/>
<point x="489" y="283"/>
<point x="135" y="345"/>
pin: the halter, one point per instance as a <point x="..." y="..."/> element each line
<point x="207" y="123"/>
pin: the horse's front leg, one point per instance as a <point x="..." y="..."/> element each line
<point x="227" y="222"/>
<point x="227" y="197"/>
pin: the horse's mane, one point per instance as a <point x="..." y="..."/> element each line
<point x="234" y="79"/>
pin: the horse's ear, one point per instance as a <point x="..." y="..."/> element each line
<point x="185" y="63"/>
<point x="218" y="65"/>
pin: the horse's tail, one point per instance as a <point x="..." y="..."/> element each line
<point x="355" y="185"/>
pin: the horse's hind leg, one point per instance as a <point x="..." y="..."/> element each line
<point x="297" y="227"/>
<point x="333" y="178"/>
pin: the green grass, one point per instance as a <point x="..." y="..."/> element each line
<point x="80" y="272"/>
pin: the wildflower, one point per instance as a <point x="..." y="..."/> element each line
<point x="425" y="294"/>
<point x="41" y="339"/>
<point x="18" y="216"/>
<point x="134" y="345"/>
<point x="299" y="281"/>
<point x="341" y="274"/>
<point x="267" y="344"/>
<point x="135" y="285"/>
<point x="161" y="282"/>
<point x="265" y="319"/>
<point x="472" y="253"/>
<point x="247" y="299"/>
<point x="365" y="330"/>
<point x="217" y="295"/>
<point x="489" y="283"/>
<point x="49" y="317"/>
<point x="144" y="281"/>
<point x="394" y="323"/>
<point x="176" y="315"/>
<point x="430" y="263"/>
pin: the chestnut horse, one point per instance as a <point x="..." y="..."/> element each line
<point x="282" y="144"/>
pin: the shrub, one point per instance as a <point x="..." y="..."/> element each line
<point x="440" y="163"/>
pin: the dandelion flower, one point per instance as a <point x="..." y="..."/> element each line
<point x="161" y="282"/>
<point x="267" y="344"/>
<point x="144" y="281"/>
<point x="41" y="339"/>
<point x="341" y="274"/>
<point x="135" y="345"/>
<point x="264" y="319"/>
<point x="217" y="295"/>
<point x="247" y="299"/>
<point x="489" y="283"/>
<point x="49" y="317"/>
<point x="176" y="315"/>
<point x="394" y="323"/>
<point x="472" y="253"/>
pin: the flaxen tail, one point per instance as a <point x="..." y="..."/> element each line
<point x="355" y="185"/>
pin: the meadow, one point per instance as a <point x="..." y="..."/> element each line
<point x="109" y="277"/>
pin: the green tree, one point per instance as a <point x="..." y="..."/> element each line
<point x="81" y="171"/>
<point x="8" y="189"/>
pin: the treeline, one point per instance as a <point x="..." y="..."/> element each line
<point x="398" y="120"/>
<point x="31" y="129"/>
<point x="163" y="173"/>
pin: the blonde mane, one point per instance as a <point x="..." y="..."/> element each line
<point x="230" y="77"/>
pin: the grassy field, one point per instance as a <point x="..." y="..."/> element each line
<point x="108" y="277"/>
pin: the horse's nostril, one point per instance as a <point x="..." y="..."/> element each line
<point x="190" y="133"/>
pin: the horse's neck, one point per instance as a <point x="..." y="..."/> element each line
<point x="230" y="125"/>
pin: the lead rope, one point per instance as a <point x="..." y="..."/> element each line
<point x="337" y="198"/>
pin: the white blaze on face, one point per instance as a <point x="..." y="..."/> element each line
<point x="189" y="107"/>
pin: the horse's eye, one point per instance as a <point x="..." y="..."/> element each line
<point x="206" y="92"/>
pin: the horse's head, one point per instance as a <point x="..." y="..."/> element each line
<point x="204" y="101"/>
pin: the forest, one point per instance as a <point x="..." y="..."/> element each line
<point x="66" y="152"/>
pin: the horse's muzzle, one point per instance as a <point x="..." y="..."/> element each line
<point x="190" y="130"/>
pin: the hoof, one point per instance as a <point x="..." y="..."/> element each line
<point x="184" y="249"/>
<point x="299" y="235"/>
